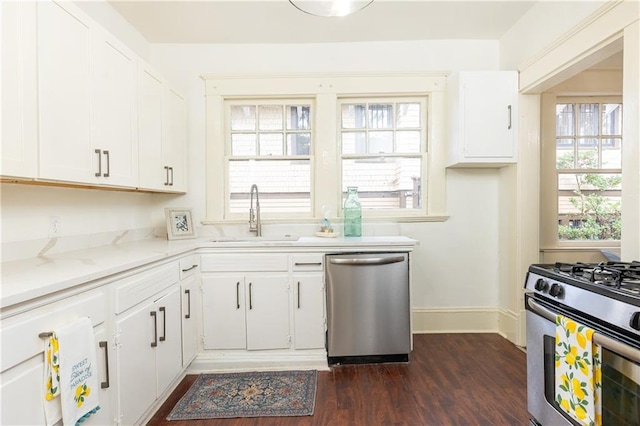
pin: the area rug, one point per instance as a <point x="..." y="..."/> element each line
<point x="253" y="394"/>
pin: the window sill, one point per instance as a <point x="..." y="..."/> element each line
<point x="401" y="219"/>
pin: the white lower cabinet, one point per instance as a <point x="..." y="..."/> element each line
<point x="246" y="311"/>
<point x="309" y="311"/>
<point x="22" y="360"/>
<point x="190" y="295"/>
<point x="148" y="354"/>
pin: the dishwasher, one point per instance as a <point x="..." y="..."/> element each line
<point x="368" y="310"/>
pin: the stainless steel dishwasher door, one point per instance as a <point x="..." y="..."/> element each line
<point x="368" y="307"/>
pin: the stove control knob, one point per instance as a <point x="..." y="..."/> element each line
<point x="556" y="290"/>
<point x="634" y="322"/>
<point x="541" y="285"/>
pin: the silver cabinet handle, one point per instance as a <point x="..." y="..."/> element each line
<point x="166" y="176"/>
<point x="155" y="329"/>
<point x="367" y="261"/>
<point x="106" y="154"/>
<point x="238" y="295"/>
<point x="298" y="294"/>
<point x="599" y="339"/>
<point x="250" y="302"/>
<point x="188" y="314"/>
<point x="171" y="171"/>
<point x="103" y="344"/>
<point x="97" y="151"/>
<point x="164" y="324"/>
<point x="308" y="263"/>
<point x="509" y="109"/>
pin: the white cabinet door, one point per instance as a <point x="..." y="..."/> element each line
<point x="162" y="133"/>
<point x="223" y="311"/>
<point x="150" y="113"/>
<point x="19" y="150"/>
<point x="136" y="365"/>
<point x="114" y="111"/>
<point x="174" y="143"/>
<point x="103" y="358"/>
<point x="189" y="293"/>
<point x="64" y="94"/>
<point x="483" y="118"/>
<point x="169" y="350"/>
<point x="267" y="307"/>
<point x="309" y="312"/>
<point x="21" y="388"/>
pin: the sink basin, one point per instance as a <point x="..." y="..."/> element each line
<point x="270" y="239"/>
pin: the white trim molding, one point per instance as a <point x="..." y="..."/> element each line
<point x="462" y="320"/>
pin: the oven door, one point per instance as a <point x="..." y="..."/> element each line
<point x="620" y="371"/>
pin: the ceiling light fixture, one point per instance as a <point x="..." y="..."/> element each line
<point x="330" y="7"/>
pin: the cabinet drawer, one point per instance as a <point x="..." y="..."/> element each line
<point x="133" y="290"/>
<point x="19" y="334"/>
<point x="189" y="266"/>
<point x="307" y="262"/>
<point x="244" y="263"/>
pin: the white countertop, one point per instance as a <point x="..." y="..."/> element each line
<point x="27" y="279"/>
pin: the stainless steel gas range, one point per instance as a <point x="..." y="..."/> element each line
<point x="604" y="297"/>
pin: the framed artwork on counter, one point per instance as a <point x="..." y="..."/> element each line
<point x="179" y="223"/>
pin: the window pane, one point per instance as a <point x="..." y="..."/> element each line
<point x="271" y="144"/>
<point x="612" y="119"/>
<point x="588" y="119"/>
<point x="285" y="185"/>
<point x="587" y="153"/>
<point x="270" y="117"/>
<point x="381" y="116"/>
<point x="353" y="116"/>
<point x="408" y="116"/>
<point x="354" y="143"/>
<point x="408" y="141"/>
<point x="243" y="117"/>
<point x="589" y="206"/>
<point x="565" y="156"/>
<point x="243" y="144"/>
<point x="612" y="153"/>
<point x="385" y="183"/>
<point x="299" y="144"/>
<point x="380" y="142"/>
<point x="298" y="117"/>
<point x="564" y="120"/>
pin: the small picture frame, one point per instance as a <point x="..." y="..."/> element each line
<point x="179" y="223"/>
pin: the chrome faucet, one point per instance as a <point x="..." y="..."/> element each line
<point x="254" y="215"/>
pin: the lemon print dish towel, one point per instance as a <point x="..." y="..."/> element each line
<point x="578" y="377"/>
<point x="71" y="374"/>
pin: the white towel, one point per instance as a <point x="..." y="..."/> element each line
<point x="71" y="376"/>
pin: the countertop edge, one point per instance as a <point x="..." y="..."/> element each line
<point x="47" y="275"/>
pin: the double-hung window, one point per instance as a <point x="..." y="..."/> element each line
<point x="269" y="144"/>
<point x="588" y="158"/>
<point x="383" y="151"/>
<point x="304" y="139"/>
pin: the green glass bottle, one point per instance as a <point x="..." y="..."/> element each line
<point x="352" y="213"/>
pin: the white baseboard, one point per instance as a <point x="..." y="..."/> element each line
<point x="465" y="320"/>
<point x="230" y="361"/>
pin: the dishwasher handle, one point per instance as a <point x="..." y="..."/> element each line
<point x="367" y="261"/>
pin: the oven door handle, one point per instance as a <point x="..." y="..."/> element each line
<point x="599" y="339"/>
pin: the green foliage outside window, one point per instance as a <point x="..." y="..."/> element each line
<point x="599" y="216"/>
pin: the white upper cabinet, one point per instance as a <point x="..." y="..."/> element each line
<point x="19" y="150"/>
<point x="162" y="133"/>
<point x="64" y="94"/>
<point x="482" y="117"/>
<point x="114" y="113"/>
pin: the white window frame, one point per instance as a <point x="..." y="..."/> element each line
<point x="422" y="154"/>
<point x="326" y="150"/>
<point x="549" y="175"/>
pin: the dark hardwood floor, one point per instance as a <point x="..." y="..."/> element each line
<point x="451" y="379"/>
